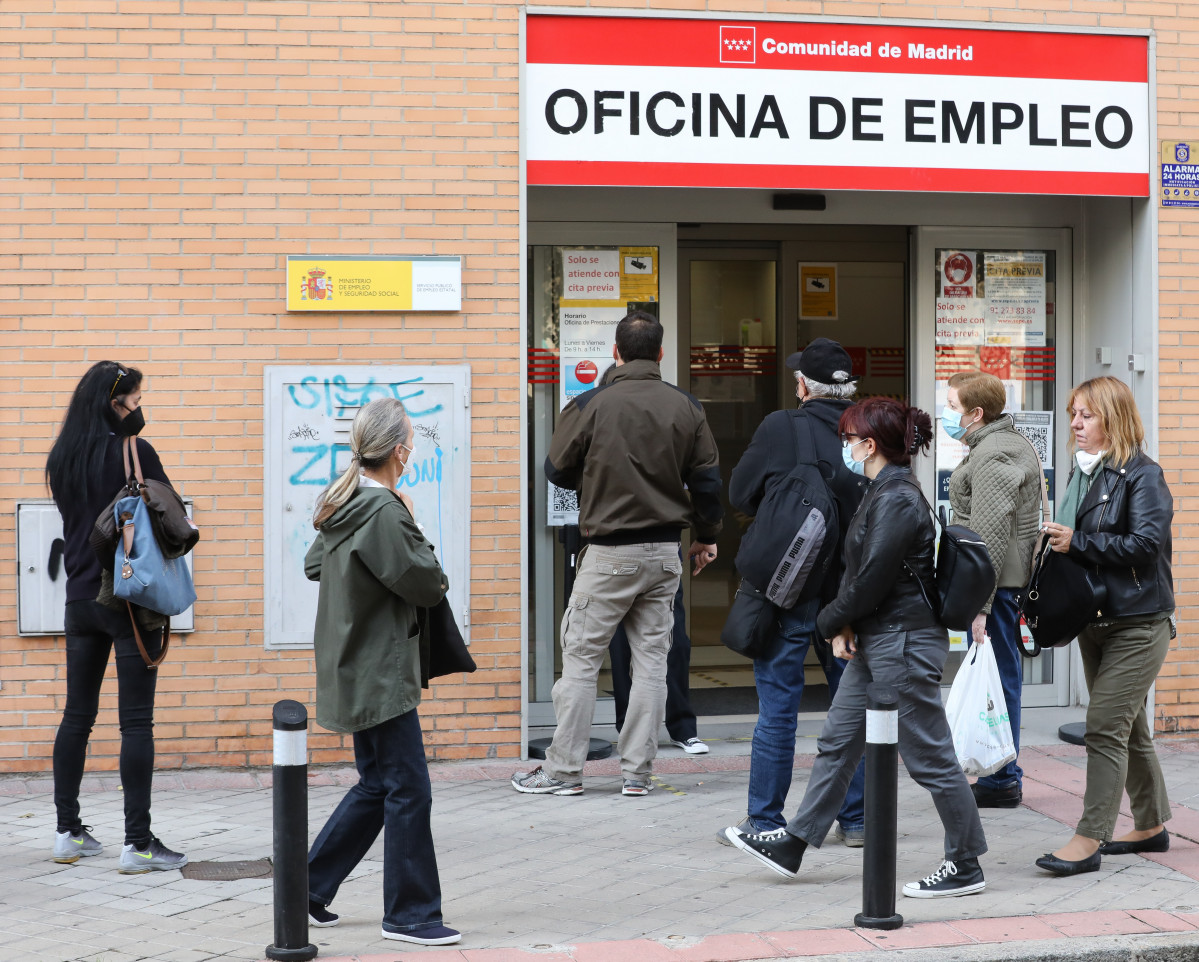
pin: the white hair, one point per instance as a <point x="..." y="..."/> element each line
<point x="820" y="389"/>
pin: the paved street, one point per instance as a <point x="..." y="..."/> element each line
<point x="587" y="878"/>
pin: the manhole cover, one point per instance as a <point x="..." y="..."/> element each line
<point x="227" y="871"/>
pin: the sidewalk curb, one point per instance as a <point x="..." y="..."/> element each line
<point x="1117" y="937"/>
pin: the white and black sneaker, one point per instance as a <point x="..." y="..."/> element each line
<point x="319" y="916"/>
<point x="155" y="857"/>
<point x="537" y="782"/>
<point x="777" y="850"/>
<point x="692" y="746"/>
<point x="963" y="877"/>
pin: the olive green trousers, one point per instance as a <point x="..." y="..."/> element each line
<point x="1120" y="662"/>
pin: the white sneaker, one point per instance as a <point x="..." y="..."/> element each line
<point x="69" y="847"/>
<point x="692" y="746"/>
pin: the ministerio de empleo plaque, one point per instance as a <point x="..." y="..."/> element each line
<point x="374" y="283"/>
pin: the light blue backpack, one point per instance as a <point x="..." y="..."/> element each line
<point x="142" y="576"/>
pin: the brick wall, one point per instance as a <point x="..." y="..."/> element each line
<point x="159" y="160"/>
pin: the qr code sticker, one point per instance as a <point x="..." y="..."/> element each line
<point x="565" y="500"/>
<point x="1037" y="426"/>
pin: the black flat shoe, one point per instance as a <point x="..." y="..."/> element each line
<point x="1154" y="843"/>
<point x="1062" y="867"/>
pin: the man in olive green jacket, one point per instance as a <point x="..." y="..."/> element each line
<point x="368" y="666"/>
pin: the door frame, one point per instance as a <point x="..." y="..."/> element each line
<point x="925" y="241"/>
<point x="539" y="710"/>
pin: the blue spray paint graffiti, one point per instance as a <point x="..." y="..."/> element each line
<point x="337" y="394"/>
<point x="325" y="462"/>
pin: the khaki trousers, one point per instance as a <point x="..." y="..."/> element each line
<point x="1120" y="662"/>
<point x="635" y="584"/>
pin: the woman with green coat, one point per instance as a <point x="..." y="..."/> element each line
<point x="375" y="570"/>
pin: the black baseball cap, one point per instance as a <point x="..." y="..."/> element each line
<point x="824" y="360"/>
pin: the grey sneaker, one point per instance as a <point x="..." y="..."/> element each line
<point x="634" y="787"/>
<point x="537" y="782"/>
<point x="155" y="857"/>
<point x="852" y="837"/>
<point x="747" y="826"/>
<point x="69" y="847"/>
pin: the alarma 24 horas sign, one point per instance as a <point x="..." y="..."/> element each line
<point x="706" y="103"/>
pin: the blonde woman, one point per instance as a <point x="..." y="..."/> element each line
<point x="375" y="569"/>
<point x="1115" y="519"/>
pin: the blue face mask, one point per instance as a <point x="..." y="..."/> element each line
<point x="951" y="421"/>
<point x="857" y="467"/>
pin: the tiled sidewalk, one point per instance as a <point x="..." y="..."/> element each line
<point x="599" y="878"/>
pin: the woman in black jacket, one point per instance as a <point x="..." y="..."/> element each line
<point x="85" y="470"/>
<point x="1115" y="519"/>
<point x="881" y="621"/>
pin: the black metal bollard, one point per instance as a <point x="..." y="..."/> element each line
<point x="882" y="809"/>
<point x="290" y="776"/>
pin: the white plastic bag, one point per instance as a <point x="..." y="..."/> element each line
<point x="977" y="713"/>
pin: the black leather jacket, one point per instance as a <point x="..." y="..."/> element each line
<point x="1123" y="532"/>
<point x="890" y="537"/>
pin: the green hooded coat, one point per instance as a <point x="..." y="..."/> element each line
<point x="375" y="569"/>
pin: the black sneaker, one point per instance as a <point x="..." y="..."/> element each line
<point x="985" y="797"/>
<point x="320" y="917"/>
<point x="777" y="850"/>
<point x="962" y="877"/>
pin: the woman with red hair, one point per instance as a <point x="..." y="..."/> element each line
<point x="882" y="623"/>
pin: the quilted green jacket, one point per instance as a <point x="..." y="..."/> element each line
<point x="996" y="492"/>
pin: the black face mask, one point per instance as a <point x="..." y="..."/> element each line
<point x="132" y="423"/>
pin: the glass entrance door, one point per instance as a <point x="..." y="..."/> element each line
<point x="728" y="310"/>
<point x="999" y="301"/>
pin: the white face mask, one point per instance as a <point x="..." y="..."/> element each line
<point x="1088" y="462"/>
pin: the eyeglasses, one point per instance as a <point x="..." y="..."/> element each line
<point x="846" y="437"/>
<point x="120" y="374"/>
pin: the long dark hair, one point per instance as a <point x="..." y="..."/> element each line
<point x="77" y="457"/>
<point x="899" y="430"/>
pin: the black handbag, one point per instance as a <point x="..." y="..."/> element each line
<point x="752" y="622"/>
<point x="1061" y="598"/>
<point x="448" y="654"/>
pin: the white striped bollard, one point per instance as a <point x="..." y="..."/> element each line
<point x="290" y="790"/>
<point x="882" y="809"/>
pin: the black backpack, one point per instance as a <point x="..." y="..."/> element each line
<point x="792" y="541"/>
<point x="965" y="577"/>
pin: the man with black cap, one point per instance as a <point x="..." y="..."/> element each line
<point x="824" y="383"/>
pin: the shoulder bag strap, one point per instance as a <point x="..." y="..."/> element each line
<point x="137" y="465"/>
<point x="1045" y="516"/>
<point x="141" y="645"/>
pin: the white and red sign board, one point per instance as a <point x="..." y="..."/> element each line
<point x="627" y="101"/>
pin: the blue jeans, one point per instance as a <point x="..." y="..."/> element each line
<point x="1003" y="627"/>
<point x="393" y="795"/>
<point x="779" y="676"/>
